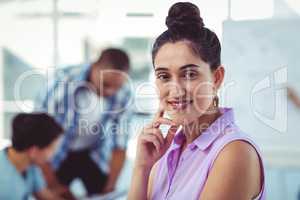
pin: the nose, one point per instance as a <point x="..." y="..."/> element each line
<point x="176" y="90"/>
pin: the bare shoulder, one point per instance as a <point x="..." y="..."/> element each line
<point x="235" y="173"/>
<point x="240" y="151"/>
<point x="240" y="159"/>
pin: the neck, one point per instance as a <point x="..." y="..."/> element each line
<point x="19" y="159"/>
<point x="91" y="80"/>
<point x="196" y="128"/>
<point x="90" y="72"/>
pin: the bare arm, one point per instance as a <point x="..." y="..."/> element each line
<point x="47" y="194"/>
<point x="142" y="183"/>
<point x="293" y="96"/>
<point x="139" y="184"/>
<point x="235" y="174"/>
<point x="116" y="164"/>
<point x="151" y="146"/>
<point x="54" y="187"/>
<point x="150" y="181"/>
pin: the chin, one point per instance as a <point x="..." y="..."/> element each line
<point x="181" y="119"/>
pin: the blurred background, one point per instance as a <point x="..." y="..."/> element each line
<point x="260" y="52"/>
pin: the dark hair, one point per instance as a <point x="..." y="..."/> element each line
<point x="117" y="58"/>
<point x="185" y="24"/>
<point x="34" y="129"/>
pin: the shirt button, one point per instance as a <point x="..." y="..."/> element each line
<point x="170" y="161"/>
<point x="171" y="192"/>
<point x="192" y="147"/>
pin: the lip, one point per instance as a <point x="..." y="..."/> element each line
<point x="179" y="105"/>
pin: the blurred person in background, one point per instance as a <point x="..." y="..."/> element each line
<point x="91" y="102"/>
<point x="209" y="157"/>
<point x="295" y="99"/>
<point x="34" y="139"/>
<point x="293" y="96"/>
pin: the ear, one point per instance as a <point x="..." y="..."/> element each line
<point x="32" y="151"/>
<point x="219" y="74"/>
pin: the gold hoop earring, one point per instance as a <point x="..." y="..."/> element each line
<point x="216" y="101"/>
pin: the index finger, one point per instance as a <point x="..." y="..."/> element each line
<point x="159" y="113"/>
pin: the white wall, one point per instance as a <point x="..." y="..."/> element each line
<point x="253" y="52"/>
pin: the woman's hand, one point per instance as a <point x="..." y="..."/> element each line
<point x="151" y="143"/>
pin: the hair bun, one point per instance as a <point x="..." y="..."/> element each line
<point x="184" y="15"/>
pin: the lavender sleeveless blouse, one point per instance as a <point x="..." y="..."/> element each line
<point x="197" y="160"/>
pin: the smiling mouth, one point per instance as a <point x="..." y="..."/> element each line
<point x="180" y="105"/>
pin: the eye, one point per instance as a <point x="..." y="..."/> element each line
<point x="190" y="75"/>
<point x="163" y="76"/>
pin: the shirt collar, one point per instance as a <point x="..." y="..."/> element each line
<point x="215" y="129"/>
<point x="84" y="73"/>
<point x="210" y="134"/>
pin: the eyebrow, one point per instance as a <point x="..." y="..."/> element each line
<point x="181" y="68"/>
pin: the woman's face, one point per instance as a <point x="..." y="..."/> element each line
<point x="184" y="81"/>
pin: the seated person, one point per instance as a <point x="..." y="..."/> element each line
<point x="34" y="137"/>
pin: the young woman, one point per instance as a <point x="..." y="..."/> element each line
<point x="209" y="157"/>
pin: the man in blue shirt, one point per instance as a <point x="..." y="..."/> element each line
<point x="92" y="103"/>
<point x="34" y="137"/>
